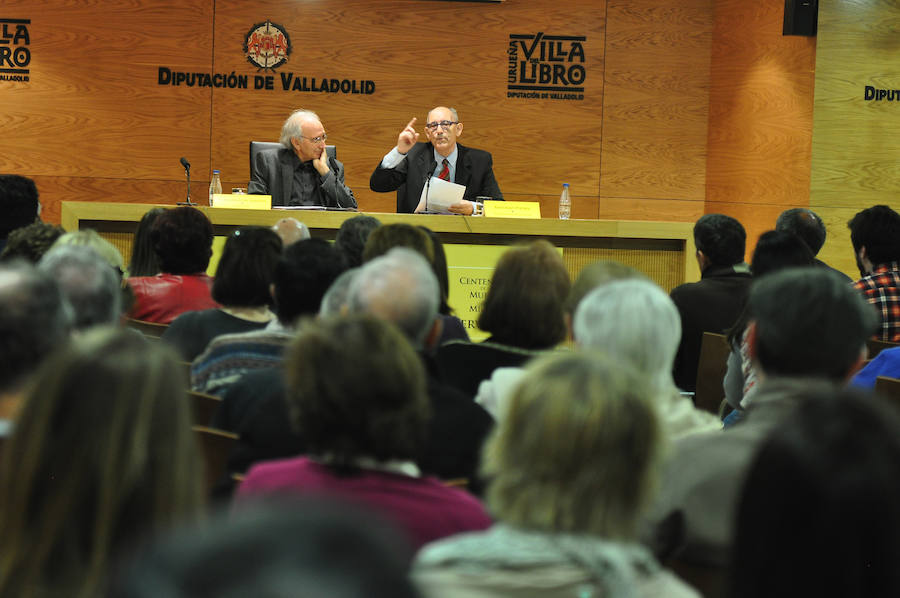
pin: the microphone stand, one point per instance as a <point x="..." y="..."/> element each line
<point x="428" y="178"/>
<point x="187" y="201"/>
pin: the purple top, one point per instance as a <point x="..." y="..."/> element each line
<point x="424" y="507"/>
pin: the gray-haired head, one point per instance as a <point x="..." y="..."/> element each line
<point x="804" y="223"/>
<point x="88" y="281"/>
<point x="335" y="298"/>
<point x="292" y="126"/>
<point x="400" y="287"/>
<point x="34" y="319"/>
<point x="637" y="321"/>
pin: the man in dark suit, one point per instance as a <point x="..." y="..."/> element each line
<point x="713" y="303"/>
<point x="407" y="167"/>
<point x="301" y="173"/>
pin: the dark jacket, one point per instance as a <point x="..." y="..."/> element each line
<point x="273" y="174"/>
<point x="711" y="305"/>
<point x="474" y="169"/>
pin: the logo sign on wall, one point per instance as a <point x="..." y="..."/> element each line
<point x="267" y="45"/>
<point x="15" y="55"/>
<point x="546" y="67"/>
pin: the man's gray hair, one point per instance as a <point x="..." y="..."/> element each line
<point x="634" y="320"/>
<point x="400" y="287"/>
<point x="34" y="319"/>
<point x="335" y="297"/>
<point x="88" y="281"/>
<point x="292" y="126"/>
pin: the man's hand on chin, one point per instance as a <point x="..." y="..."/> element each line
<point x="321" y="163"/>
<point x="464" y="207"/>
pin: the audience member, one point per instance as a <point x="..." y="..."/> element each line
<point x="351" y="237"/>
<point x="291" y="230"/>
<point x="30" y="242"/>
<point x="637" y="321"/>
<point x="281" y="550"/>
<point x="407" y="167"/>
<point x="363" y="426"/>
<point x="494" y="392"/>
<point x="301" y="172"/>
<point x="302" y="275"/>
<point x="334" y="301"/>
<point x="101" y="456"/>
<point x="807" y="225"/>
<point x="594" y="275"/>
<point x="384" y="238"/>
<point x="401" y="288"/>
<point x="18" y="203"/>
<point x="714" y="303"/>
<point x="35" y="319"/>
<point x="875" y="235"/>
<point x="567" y="523"/>
<point x="420" y="240"/>
<point x="775" y="250"/>
<point x="241" y="287"/>
<point x="144" y="261"/>
<point x="102" y="247"/>
<point x="182" y="238"/>
<point x="439" y="264"/>
<point x="523" y="312"/>
<point x="820" y="510"/>
<point x="91" y="286"/>
<point x="806" y="331"/>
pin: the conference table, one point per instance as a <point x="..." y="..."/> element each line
<point x="662" y="250"/>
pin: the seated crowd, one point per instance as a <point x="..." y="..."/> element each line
<point x="374" y="449"/>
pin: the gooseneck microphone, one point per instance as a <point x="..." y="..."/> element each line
<point x="187" y="173"/>
<point x="428" y="175"/>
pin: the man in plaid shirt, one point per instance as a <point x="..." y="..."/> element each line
<point x="875" y="234"/>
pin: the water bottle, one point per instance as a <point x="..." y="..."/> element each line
<point x="215" y="186"/>
<point x="565" y="204"/>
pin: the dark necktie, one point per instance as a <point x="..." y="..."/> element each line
<point x="445" y="172"/>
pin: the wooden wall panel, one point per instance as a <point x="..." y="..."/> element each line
<point x="656" y="104"/>
<point x="855" y="153"/>
<point x="420" y="54"/>
<point x="94" y="124"/>
<point x="760" y="116"/>
<point x="92" y="110"/>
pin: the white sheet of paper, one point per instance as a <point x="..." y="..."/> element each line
<point x="441" y="195"/>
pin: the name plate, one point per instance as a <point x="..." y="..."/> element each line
<point x="512" y="209"/>
<point x="241" y="201"/>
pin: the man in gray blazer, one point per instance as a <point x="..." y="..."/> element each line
<point x="301" y="173"/>
<point x="409" y="165"/>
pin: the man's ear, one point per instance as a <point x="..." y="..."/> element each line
<point x="459" y="129"/>
<point x="434" y="334"/>
<point x="702" y="260"/>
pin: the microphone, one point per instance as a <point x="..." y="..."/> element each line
<point x="428" y="176"/>
<point x="187" y="173"/>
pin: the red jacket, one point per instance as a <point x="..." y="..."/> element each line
<point x="163" y="297"/>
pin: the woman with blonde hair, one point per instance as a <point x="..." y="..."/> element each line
<point x="101" y="455"/>
<point x="571" y="467"/>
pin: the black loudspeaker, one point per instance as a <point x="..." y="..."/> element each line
<point x="800" y="17"/>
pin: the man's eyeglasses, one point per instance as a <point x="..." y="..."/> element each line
<point x="320" y="139"/>
<point x="444" y="124"/>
